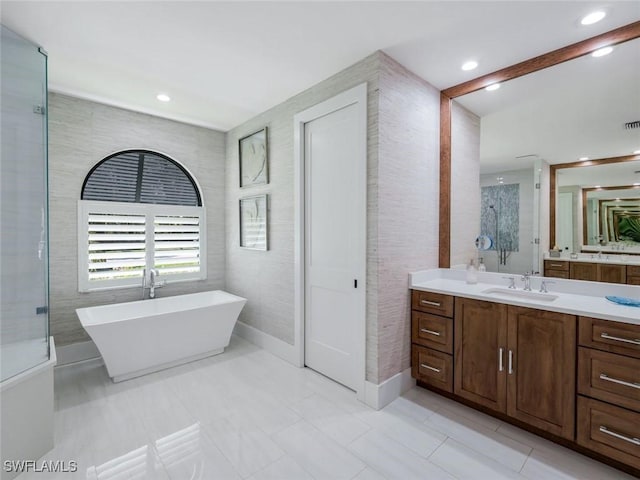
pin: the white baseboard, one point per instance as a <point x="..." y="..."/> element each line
<point x="279" y="348"/>
<point x="379" y="396"/>
<point x="77" y="352"/>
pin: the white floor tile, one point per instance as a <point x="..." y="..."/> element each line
<point x="248" y="414"/>
<point x="368" y="474"/>
<point x="564" y="464"/>
<point x="464" y="463"/>
<point x="330" y="419"/>
<point x="188" y="453"/>
<point x="393" y="460"/>
<point x="318" y="454"/>
<point x="246" y="446"/>
<point x="404" y="430"/>
<point x="284" y="469"/>
<point x="496" y="446"/>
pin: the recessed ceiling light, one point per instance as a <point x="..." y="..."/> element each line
<point x="601" y="52"/>
<point x="582" y="159"/>
<point x="593" y="17"/>
<point x="492" y="87"/>
<point x="636" y="152"/>
<point x="470" y="65"/>
<point x="163" y="97"/>
<point x="598" y="186"/>
<point x="637" y="184"/>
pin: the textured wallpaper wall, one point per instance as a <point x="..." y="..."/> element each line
<point x="81" y="133"/>
<point x="402" y="207"/>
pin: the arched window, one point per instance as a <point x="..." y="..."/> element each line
<point x="140" y="176"/>
<point x="139" y="210"/>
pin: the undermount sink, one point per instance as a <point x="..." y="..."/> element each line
<point x="509" y="292"/>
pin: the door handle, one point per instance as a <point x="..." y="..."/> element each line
<point x="500" y="360"/>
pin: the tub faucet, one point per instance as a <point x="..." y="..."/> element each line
<point x="153" y="282"/>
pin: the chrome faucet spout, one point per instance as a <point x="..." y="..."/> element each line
<point x="526" y="278"/>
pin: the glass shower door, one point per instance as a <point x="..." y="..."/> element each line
<point x="24" y="319"/>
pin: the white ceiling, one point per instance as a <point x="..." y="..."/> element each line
<point x="225" y="62"/>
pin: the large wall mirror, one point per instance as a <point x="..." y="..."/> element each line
<point x="525" y="138"/>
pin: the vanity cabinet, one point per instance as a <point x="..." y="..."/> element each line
<point x="518" y="361"/>
<point x="633" y="274"/>
<point x="592" y="271"/>
<point x="524" y="365"/>
<point x="583" y="271"/>
<point x="556" y="268"/>
<point x="609" y="389"/>
<point x="432" y="339"/>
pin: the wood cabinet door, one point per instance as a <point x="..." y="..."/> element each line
<point x="480" y="333"/>
<point x="583" y="271"/>
<point x="612" y="273"/>
<point x="541" y="367"/>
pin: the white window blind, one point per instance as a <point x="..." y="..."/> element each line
<point x="117" y="241"/>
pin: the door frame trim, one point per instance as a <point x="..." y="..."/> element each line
<point x="354" y="96"/>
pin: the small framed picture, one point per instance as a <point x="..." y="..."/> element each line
<point x="254" y="161"/>
<point x="253" y="222"/>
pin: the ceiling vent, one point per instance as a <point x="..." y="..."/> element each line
<point x="630" y="125"/>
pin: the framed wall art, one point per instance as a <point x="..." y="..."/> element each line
<point x="253" y="222"/>
<point x="254" y="159"/>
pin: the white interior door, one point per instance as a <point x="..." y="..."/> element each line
<point x="335" y="243"/>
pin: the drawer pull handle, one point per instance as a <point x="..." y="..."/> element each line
<point x="433" y="304"/>
<point x="604" y="376"/>
<point x="510" y="362"/>
<point x="635" y="441"/>
<point x="557" y="265"/>
<point x="619" y="339"/>
<point x="424" y="365"/>
<point x="430" y="332"/>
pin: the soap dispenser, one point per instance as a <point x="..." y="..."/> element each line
<point x="472" y="273"/>
<point x="481" y="266"/>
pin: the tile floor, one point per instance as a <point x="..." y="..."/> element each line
<point x="247" y="414"/>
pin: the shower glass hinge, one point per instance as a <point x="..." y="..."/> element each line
<point x="536" y="241"/>
<point x="39" y="109"/>
<point x="537" y="186"/>
<point x="41" y="310"/>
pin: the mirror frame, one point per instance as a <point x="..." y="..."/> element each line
<point x="555" y="57"/>
<point x="552" y="190"/>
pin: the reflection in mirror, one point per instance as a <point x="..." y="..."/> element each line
<point x="554" y="116"/>
<point x="598" y="208"/>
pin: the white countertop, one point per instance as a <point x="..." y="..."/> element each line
<point x="575" y="297"/>
<point x="621" y="259"/>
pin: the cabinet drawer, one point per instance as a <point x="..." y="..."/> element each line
<point x="609" y="430"/>
<point x="633" y="270"/>
<point x="556" y="273"/>
<point x="616" y="337"/>
<point x="432" y="331"/>
<point x="432" y="367"/>
<point x="430" y="302"/>
<point x="632" y="280"/>
<point x="609" y="377"/>
<point x="561" y="265"/>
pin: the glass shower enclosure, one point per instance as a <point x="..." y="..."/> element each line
<point x="24" y="289"/>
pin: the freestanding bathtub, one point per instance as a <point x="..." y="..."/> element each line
<point x="136" y="338"/>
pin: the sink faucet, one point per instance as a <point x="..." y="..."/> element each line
<point x="526" y="278"/>
<point x="512" y="282"/>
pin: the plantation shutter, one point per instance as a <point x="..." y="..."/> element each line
<point x="176" y="244"/>
<point x="116" y="246"/>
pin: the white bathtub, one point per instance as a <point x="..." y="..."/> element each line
<point x="136" y="338"/>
